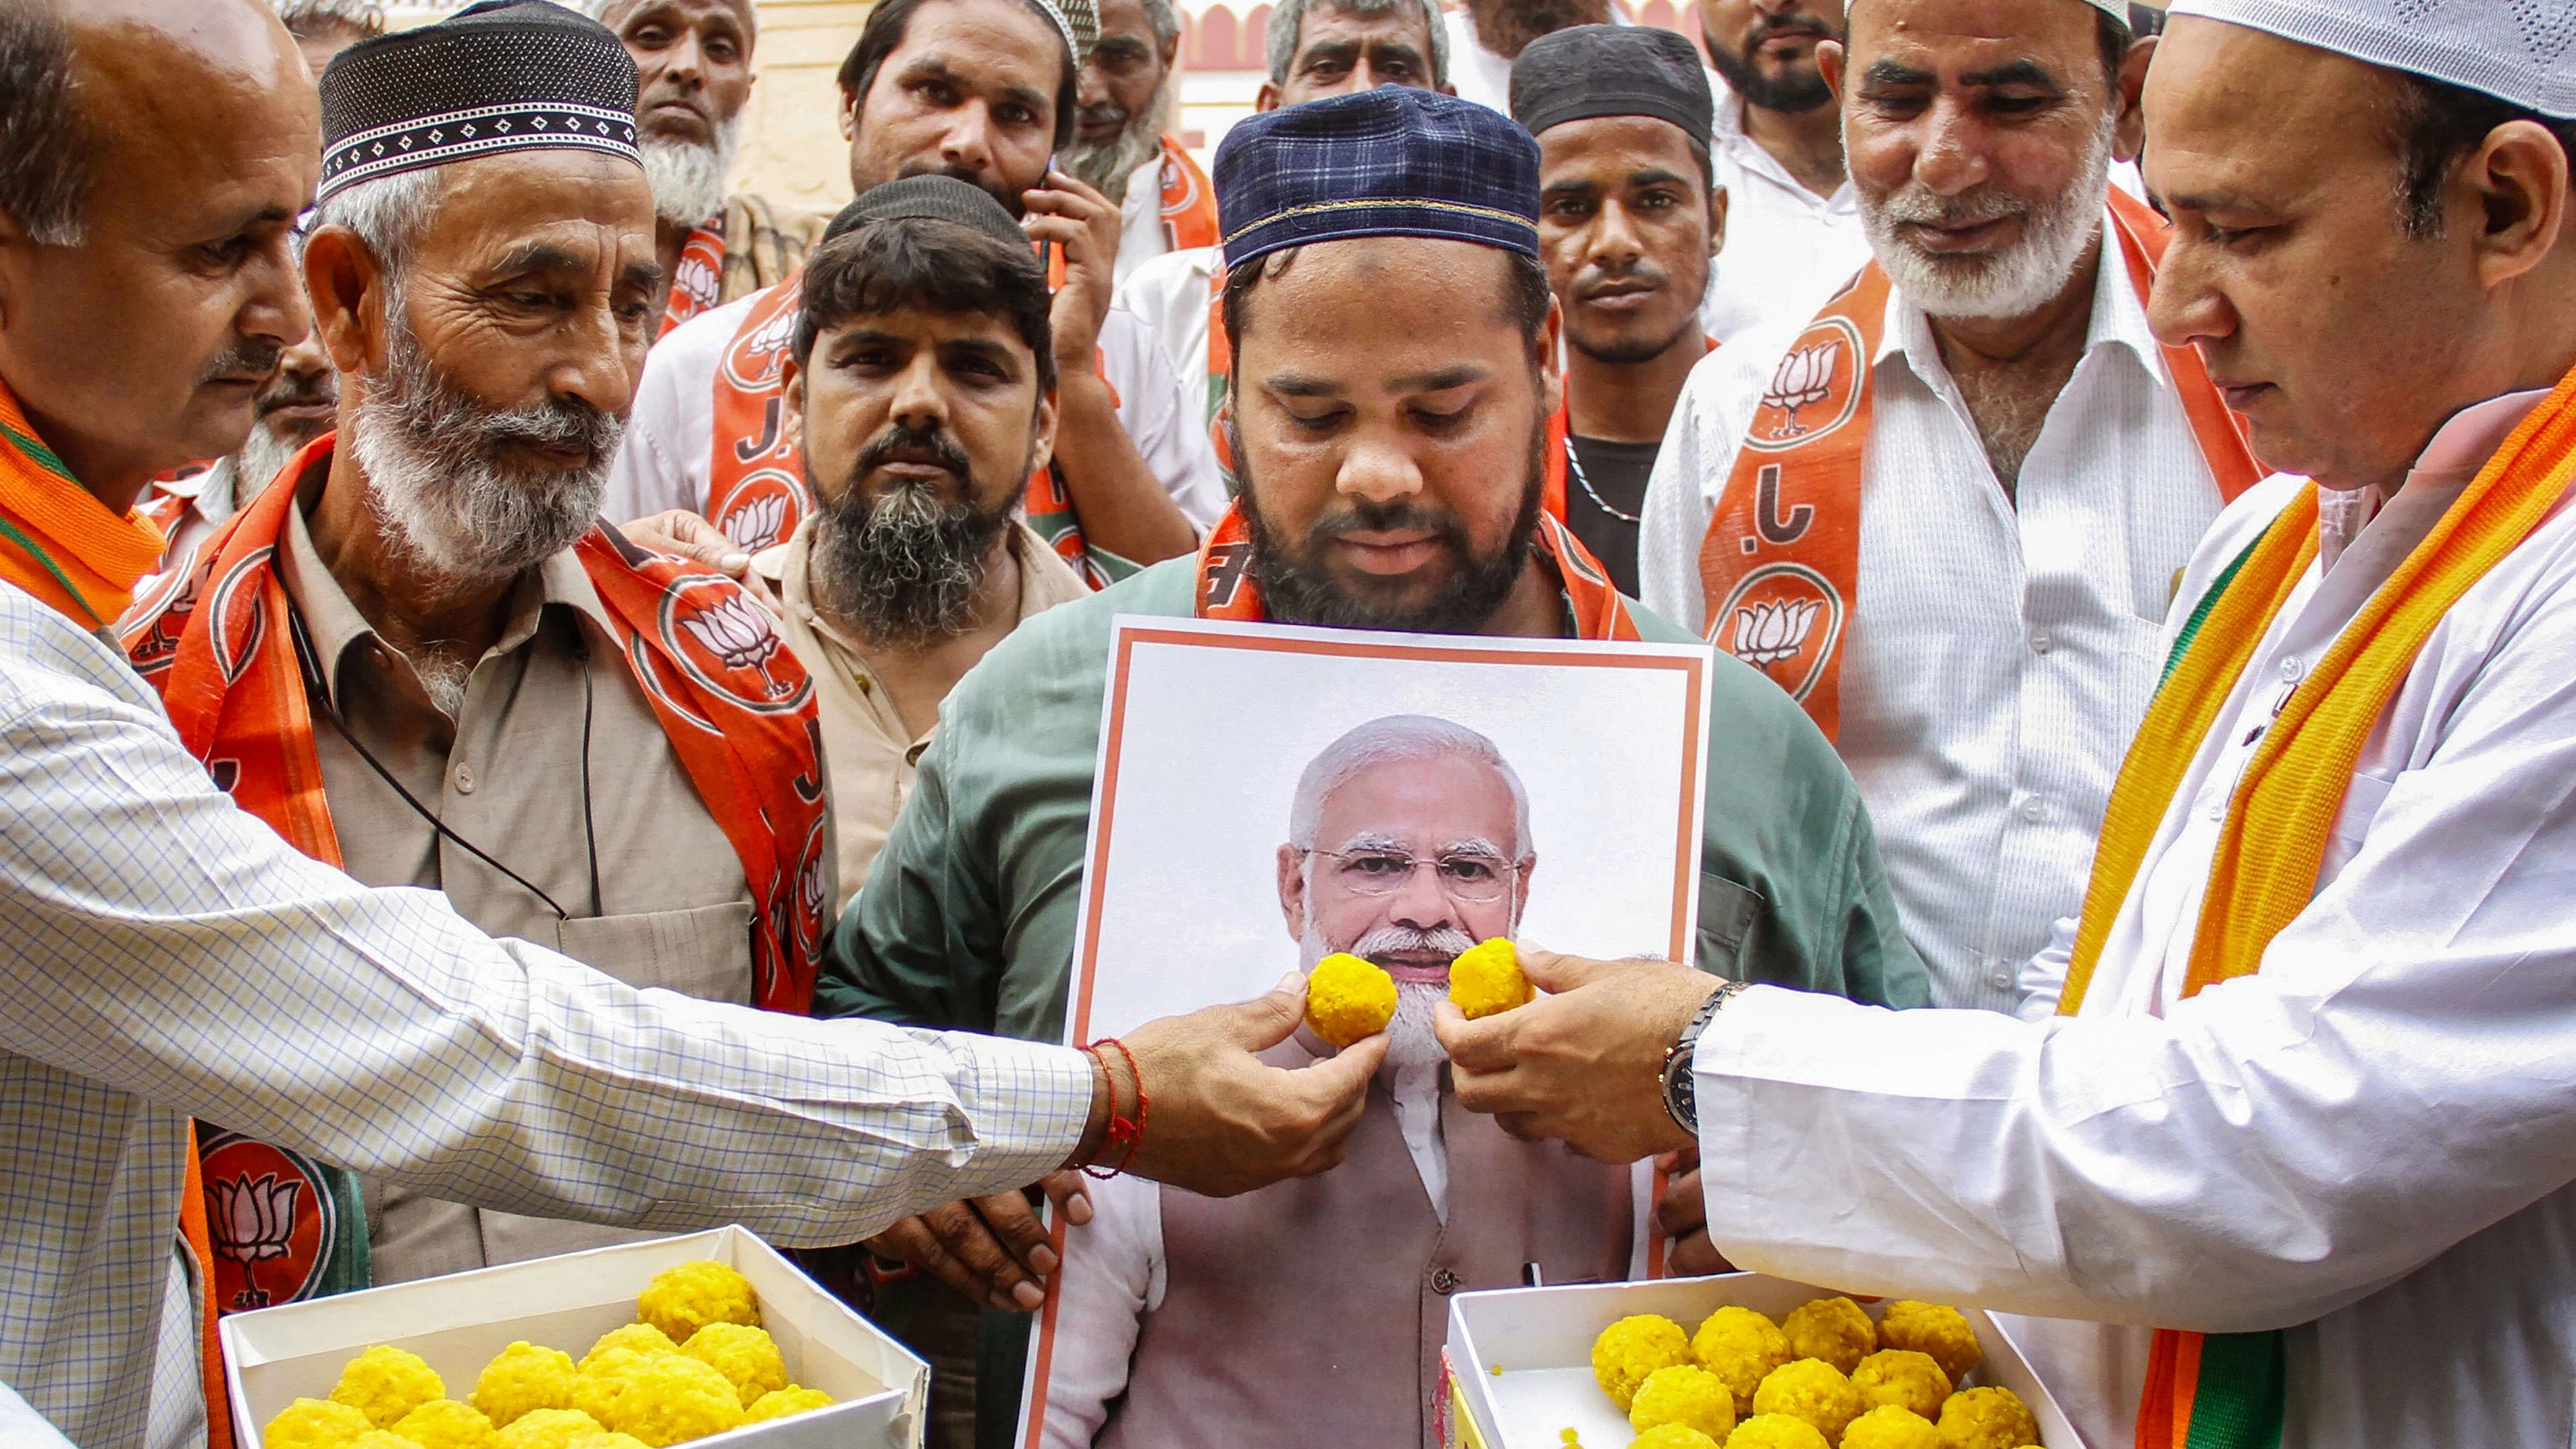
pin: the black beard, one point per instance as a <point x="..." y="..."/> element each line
<point x="1629" y="353"/>
<point x="1792" y="94"/>
<point x="901" y="568"/>
<point x="1294" y="591"/>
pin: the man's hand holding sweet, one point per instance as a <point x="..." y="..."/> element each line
<point x="1215" y="1118"/>
<point x="1584" y="1062"/>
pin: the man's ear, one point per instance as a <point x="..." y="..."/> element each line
<point x="848" y="117"/>
<point x="2518" y="191"/>
<point x="1521" y="887"/>
<point x="1292" y="890"/>
<point x="1266" y="98"/>
<point x="1171" y="50"/>
<point x="1042" y="441"/>
<point x="1551" y="367"/>
<point x="1830" y="56"/>
<point x="14" y="243"/>
<point x="341" y="277"/>
<point x="791" y="391"/>
<point x="2129" y="133"/>
<point x="1717" y="200"/>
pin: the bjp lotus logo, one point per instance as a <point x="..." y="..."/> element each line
<point x="269" y="1219"/>
<point x="1814" y="389"/>
<point x="1784" y="620"/>
<point x="724" y="641"/>
<point x="737" y="632"/>
<point x="757" y="524"/>
<point x="1765" y="634"/>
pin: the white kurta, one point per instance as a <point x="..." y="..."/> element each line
<point x="2367" y="1142"/>
<point x="1169" y="297"/>
<point x="2002" y="650"/>
<point x="669" y="440"/>
<point x="1141" y="237"/>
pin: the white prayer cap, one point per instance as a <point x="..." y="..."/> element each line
<point x="2523" y="51"/>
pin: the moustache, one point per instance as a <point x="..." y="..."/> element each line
<point x="297" y="389"/>
<point x="1107" y="113"/>
<point x="1772" y="27"/>
<point x="1391" y="940"/>
<point x="1366" y="517"/>
<point x="247" y="357"/>
<point x="926" y="445"/>
<point x="1918" y="204"/>
<point x="1643" y="272"/>
<point x="557" y="423"/>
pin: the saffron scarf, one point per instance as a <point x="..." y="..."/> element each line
<point x="2228" y="1391"/>
<point x="756" y="493"/>
<point x="57" y="541"/>
<point x="61" y="545"/>
<point x="1226" y="590"/>
<point x="1780" y="563"/>
<point x="697" y="282"/>
<point x="1188" y="202"/>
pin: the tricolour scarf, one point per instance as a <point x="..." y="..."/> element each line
<point x="2227" y="1391"/>
<point x="756" y="491"/>
<point x="1780" y="564"/>
<point x="1226" y="590"/>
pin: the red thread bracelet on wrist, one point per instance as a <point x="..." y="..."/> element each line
<point x="1122" y="1132"/>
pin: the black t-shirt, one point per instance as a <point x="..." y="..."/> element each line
<point x="1604" y="515"/>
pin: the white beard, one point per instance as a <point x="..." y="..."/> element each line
<point x="1107" y="168"/>
<point x="689" y="179"/>
<point x="2012" y="283"/>
<point x="262" y="456"/>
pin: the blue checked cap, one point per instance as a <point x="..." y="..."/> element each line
<point x="1392" y="161"/>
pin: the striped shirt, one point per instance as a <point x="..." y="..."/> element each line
<point x="165" y="955"/>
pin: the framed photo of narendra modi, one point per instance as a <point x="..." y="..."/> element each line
<point x="1267" y="797"/>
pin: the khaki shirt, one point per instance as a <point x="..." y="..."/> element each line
<point x="510" y="773"/>
<point x="868" y="759"/>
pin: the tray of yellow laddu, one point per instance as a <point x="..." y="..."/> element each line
<point x="1739" y="1361"/>
<point x="708" y="1339"/>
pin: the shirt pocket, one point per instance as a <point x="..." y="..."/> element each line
<point x="703" y="952"/>
<point x="1727" y="912"/>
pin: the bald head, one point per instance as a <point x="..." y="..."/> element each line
<point x="153" y="155"/>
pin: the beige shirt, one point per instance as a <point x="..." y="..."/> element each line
<point x="558" y="778"/>
<point x="868" y="758"/>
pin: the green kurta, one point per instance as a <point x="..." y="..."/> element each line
<point x="968" y="919"/>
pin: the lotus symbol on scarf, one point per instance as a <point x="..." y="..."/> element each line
<point x="252" y="1219"/>
<point x="757" y="524"/>
<point x="1805" y="377"/>
<point x="1765" y="634"/>
<point x="737" y="632"/>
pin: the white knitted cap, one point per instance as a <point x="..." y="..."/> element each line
<point x="2523" y="51"/>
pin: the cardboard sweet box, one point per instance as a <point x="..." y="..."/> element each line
<point x="1520" y="1359"/>
<point x="273" y="1356"/>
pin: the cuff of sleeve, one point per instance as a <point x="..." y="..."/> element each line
<point x="1029" y="1103"/>
<point x="1766" y="1035"/>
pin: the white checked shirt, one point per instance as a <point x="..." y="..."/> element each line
<point x="2000" y="654"/>
<point x="2366" y="1143"/>
<point x="165" y="955"/>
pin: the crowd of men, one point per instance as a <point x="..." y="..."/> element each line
<point x="468" y="568"/>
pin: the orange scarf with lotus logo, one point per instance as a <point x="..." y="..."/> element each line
<point x="1188" y="211"/>
<point x="1780" y="564"/>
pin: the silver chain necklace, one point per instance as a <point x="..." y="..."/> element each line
<point x="1574" y="465"/>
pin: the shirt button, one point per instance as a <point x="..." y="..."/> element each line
<point x="465" y="779"/>
<point x="2217" y="810"/>
<point x="1444" y="1282"/>
<point x="2032" y="810"/>
<point x="2000" y="981"/>
<point x="2041" y="641"/>
<point x="2293" y="670"/>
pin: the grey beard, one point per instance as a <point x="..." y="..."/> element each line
<point x="431" y="453"/>
<point x="688" y="180"/>
<point x="1410" y="1041"/>
<point x="2013" y="283"/>
<point x="1107" y="168"/>
<point x="902" y="569"/>
<point x="259" y="460"/>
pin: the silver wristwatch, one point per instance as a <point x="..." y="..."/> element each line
<point x="1681" y="1086"/>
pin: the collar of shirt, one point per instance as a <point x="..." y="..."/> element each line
<point x="2448" y="464"/>
<point x="1045" y="581"/>
<point x="1728" y="136"/>
<point x="2119" y="321"/>
<point x="336" y="626"/>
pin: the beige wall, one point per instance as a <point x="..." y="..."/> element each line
<point x="792" y="151"/>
